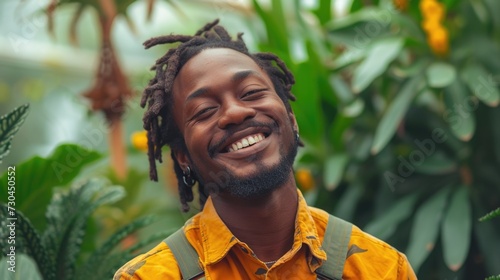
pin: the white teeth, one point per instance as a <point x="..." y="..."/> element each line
<point x="245" y="142"/>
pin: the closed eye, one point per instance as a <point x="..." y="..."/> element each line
<point x="203" y="113"/>
<point x="252" y="92"/>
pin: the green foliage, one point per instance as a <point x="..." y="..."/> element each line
<point x="25" y="268"/>
<point x="456" y="229"/>
<point x="57" y="250"/>
<point x="9" y="125"/>
<point x="400" y="139"/>
<point x="490" y="215"/>
<point x="67" y="216"/>
<point x="102" y="255"/>
<point x="27" y="240"/>
<point x="493" y="214"/>
<point x="395" y="113"/>
<point x="40" y="176"/>
<point x="387" y="225"/>
<point x="427" y="217"/>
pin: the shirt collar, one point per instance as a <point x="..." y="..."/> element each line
<point x="217" y="239"/>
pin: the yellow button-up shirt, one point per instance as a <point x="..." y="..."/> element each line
<point x="223" y="256"/>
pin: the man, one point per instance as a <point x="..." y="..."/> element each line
<point x="226" y="116"/>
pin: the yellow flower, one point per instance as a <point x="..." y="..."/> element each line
<point x="430" y="24"/>
<point x="438" y="41"/>
<point x="433" y="14"/>
<point x="140" y="140"/>
<point x="305" y="178"/>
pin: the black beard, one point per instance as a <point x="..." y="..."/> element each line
<point x="261" y="183"/>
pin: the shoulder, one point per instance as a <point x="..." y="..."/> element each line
<point x="158" y="263"/>
<point x="367" y="257"/>
<point x="383" y="260"/>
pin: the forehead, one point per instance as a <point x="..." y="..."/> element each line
<point x="211" y="67"/>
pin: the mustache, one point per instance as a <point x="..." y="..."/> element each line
<point x="230" y="131"/>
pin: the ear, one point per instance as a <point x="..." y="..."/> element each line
<point x="182" y="159"/>
<point x="293" y="121"/>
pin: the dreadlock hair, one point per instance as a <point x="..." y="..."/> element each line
<point x="158" y="118"/>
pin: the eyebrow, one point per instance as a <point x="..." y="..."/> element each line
<point x="238" y="76"/>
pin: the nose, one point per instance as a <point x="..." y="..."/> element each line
<point x="235" y="112"/>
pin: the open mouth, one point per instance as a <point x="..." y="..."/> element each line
<point x="245" y="142"/>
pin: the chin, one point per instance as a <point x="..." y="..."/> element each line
<point x="262" y="181"/>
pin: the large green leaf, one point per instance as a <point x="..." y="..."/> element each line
<point x="275" y="26"/>
<point x="367" y="15"/>
<point x="348" y="57"/>
<point x="481" y="84"/>
<point x="36" y="177"/>
<point x="456" y="229"/>
<point x="380" y="55"/>
<point x="395" y="113"/>
<point x="436" y="162"/>
<point x="383" y="227"/>
<point x="440" y="74"/>
<point x="425" y="228"/>
<point x="334" y="169"/>
<point x="9" y="125"/>
<point x="347" y="205"/>
<point x="460" y="111"/>
<point x="310" y="119"/>
<point x="341" y="89"/>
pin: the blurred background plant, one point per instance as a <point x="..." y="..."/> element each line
<point x="397" y="102"/>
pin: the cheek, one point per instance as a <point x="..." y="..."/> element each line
<point x="197" y="139"/>
<point x="272" y="106"/>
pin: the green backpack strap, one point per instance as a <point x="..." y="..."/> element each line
<point x="335" y="243"/>
<point x="185" y="255"/>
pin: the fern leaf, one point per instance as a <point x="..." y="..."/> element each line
<point x="491" y="215"/>
<point x="97" y="258"/>
<point x="112" y="263"/>
<point x="9" y="125"/>
<point x="27" y="240"/>
<point x="493" y="278"/>
<point x="67" y="217"/>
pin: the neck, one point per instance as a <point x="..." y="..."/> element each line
<point x="266" y="224"/>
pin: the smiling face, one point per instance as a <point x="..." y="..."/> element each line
<point x="239" y="136"/>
